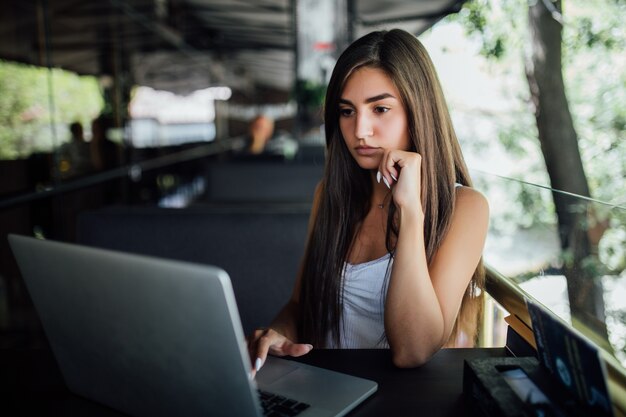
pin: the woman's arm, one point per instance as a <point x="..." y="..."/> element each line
<point x="423" y="300"/>
<point x="280" y="338"/>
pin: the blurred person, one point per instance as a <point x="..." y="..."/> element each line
<point x="260" y="131"/>
<point x="75" y="155"/>
<point x="105" y="154"/>
<point x="264" y="143"/>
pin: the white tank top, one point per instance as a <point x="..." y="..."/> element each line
<point x="364" y="286"/>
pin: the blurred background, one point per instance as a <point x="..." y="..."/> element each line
<point x="198" y="106"/>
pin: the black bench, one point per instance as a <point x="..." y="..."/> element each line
<point x="248" y="181"/>
<point x="259" y="247"/>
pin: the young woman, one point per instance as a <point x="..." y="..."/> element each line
<point x="393" y="257"/>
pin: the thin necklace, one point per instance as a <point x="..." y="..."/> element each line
<point x="382" y="204"/>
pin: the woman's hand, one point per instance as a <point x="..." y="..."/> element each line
<point x="264" y="341"/>
<point x="403" y="169"/>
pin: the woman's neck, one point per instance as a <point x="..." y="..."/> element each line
<point x="381" y="195"/>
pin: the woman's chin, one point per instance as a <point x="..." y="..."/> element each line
<point x="368" y="163"/>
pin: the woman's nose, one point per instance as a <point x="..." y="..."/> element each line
<point x="364" y="127"/>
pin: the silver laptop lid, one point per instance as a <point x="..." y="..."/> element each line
<point x="118" y="331"/>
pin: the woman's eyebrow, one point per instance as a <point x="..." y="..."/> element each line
<point x="370" y="99"/>
<point x="379" y="97"/>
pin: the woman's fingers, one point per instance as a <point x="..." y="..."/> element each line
<point x="288" y="348"/>
<point x="264" y="341"/>
<point x="253" y="341"/>
<point x="401" y="170"/>
<point x="391" y="164"/>
<point x="380" y="176"/>
<point x="387" y="174"/>
<point x="390" y="167"/>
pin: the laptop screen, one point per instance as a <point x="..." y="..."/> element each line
<point x="572" y="360"/>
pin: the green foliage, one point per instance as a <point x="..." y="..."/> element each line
<point x="478" y="17"/>
<point x="594" y="68"/>
<point x="310" y="94"/>
<point x="612" y="250"/>
<point x="26" y="119"/>
<point x="595" y="72"/>
<point x="17" y="107"/>
<point x="616" y="318"/>
<point x="516" y="139"/>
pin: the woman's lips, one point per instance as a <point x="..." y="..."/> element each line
<point x="366" y="150"/>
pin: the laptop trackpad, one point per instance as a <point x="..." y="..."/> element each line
<point x="329" y="393"/>
<point x="273" y="370"/>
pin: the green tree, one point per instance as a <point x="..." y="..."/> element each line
<point x="576" y="56"/>
<point x="25" y="107"/>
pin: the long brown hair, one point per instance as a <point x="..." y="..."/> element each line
<point x="346" y="188"/>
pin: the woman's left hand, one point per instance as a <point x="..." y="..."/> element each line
<point x="402" y="170"/>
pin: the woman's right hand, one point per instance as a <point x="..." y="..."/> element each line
<point x="268" y="340"/>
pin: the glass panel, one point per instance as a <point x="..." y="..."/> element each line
<point x="574" y="263"/>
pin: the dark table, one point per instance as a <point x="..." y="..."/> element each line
<point x="31" y="383"/>
<point x="432" y="390"/>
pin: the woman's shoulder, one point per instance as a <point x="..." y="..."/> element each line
<point x="471" y="202"/>
<point x="468" y="224"/>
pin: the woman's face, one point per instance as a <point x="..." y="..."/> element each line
<point x="372" y="118"/>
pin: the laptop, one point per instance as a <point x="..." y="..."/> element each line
<point x="155" y="337"/>
<point x="572" y="360"/>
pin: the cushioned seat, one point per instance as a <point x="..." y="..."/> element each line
<point x="260" y="248"/>
<point x="261" y="182"/>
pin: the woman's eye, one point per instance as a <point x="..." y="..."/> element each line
<point x="346" y="112"/>
<point x="381" y="109"/>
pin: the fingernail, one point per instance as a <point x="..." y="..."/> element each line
<point x="386" y="182"/>
<point x="394" y="178"/>
<point x="309" y="347"/>
<point x="378" y="176"/>
<point x="258" y="363"/>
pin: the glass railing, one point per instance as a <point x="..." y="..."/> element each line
<point x="573" y="262"/>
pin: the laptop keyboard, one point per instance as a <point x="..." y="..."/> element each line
<point x="278" y="406"/>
